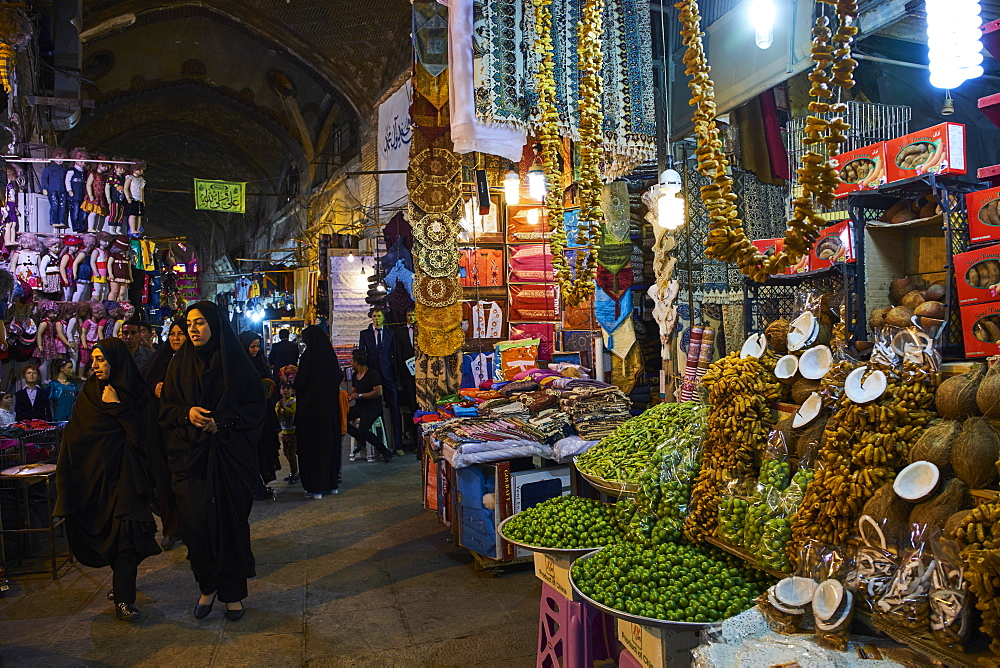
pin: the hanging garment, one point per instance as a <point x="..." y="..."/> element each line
<point x="484" y="318"/>
<point x="481" y="267"/>
<point x="477" y="368"/>
<point x="531" y="263"/>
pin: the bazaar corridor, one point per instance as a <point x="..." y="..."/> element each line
<point x="364" y="578"/>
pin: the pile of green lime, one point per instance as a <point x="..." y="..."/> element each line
<point x="567" y="523"/>
<point x="672" y="582"/>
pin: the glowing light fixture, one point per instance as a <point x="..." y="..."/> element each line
<point x="536" y="183"/>
<point x="534" y="216"/>
<point x="954" y="42"/>
<point x="350" y="256"/>
<point x="512" y="188"/>
<point x="762" y="15"/>
<point x="670" y="202"/>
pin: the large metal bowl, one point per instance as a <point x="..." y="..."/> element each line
<point x="637" y="619"/>
<point x="554" y="551"/>
<point x="611" y="487"/>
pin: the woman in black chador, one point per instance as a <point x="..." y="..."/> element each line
<point x="212" y="408"/>
<point x="317" y="414"/>
<point x="268" y="445"/>
<point x="101" y="475"/>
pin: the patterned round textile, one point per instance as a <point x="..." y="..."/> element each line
<point x="436" y="291"/>
<point x="438" y="343"/>
<point x="437" y="197"/>
<point x="436" y="229"/>
<point x="443" y="318"/>
<point x="435" y="165"/>
<point x="438" y="261"/>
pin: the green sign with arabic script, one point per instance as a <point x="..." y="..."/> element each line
<point x="222" y="196"/>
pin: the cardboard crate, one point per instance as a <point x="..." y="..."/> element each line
<point x="554" y="571"/>
<point x="835" y="244"/>
<point x="983" y="207"/>
<point x="972" y="314"/>
<point x="860" y="169"/>
<point x="986" y="262"/>
<point x="769" y="247"/>
<point x="941" y="150"/>
<point x="656" y="647"/>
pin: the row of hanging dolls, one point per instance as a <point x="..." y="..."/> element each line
<point x="72" y="268"/>
<point x="84" y="195"/>
<point x="46" y="330"/>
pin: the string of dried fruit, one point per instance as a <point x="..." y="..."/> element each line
<point x="980" y="533"/>
<point x="740" y="393"/>
<point x="862" y="445"/>
<point x="727" y="240"/>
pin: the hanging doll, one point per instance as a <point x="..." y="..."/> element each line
<point x="99" y="265"/>
<point x="92" y="329"/>
<point x="70" y="323"/>
<point x="67" y="278"/>
<point x="10" y="217"/>
<point x="82" y="268"/>
<point x="116" y="318"/>
<point x="120" y="270"/>
<point x="51" y="343"/>
<point x="96" y="201"/>
<point x="76" y="190"/>
<point x="114" y="191"/>
<point x="49" y="267"/>
<point x="135" y="193"/>
<point x="25" y="260"/>
<point x="54" y="187"/>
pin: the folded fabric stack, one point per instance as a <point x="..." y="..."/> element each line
<point x="553" y="423"/>
<point x="595" y="411"/>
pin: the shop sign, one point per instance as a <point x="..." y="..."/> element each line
<point x="224" y="196"/>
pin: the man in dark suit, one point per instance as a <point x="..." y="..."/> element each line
<point x="403" y="338"/>
<point x="379" y="344"/>
<point x="283" y="353"/>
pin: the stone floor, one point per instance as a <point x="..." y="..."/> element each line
<point x="365" y="578"/>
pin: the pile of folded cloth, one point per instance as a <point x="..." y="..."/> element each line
<point x="595" y="411"/>
<point x="466" y="441"/>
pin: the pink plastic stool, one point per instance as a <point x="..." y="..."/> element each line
<point x="571" y="635"/>
<point x="626" y="660"/>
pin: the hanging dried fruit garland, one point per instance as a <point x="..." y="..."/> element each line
<point x="575" y="287"/>
<point x="834" y="68"/>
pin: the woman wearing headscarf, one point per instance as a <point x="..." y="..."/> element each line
<point x="101" y="479"/>
<point x="212" y="408"/>
<point x="317" y="414"/>
<point x="268" y="445"/>
<point x="159" y="471"/>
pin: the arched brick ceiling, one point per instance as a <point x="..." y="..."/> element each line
<point x="359" y="46"/>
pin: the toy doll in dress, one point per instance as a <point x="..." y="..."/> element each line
<point x="76" y="190"/>
<point x="24" y="262"/>
<point x="96" y="201"/>
<point x="92" y="329"/>
<point x="54" y="187"/>
<point x="115" y="319"/>
<point x="99" y="265"/>
<point x="67" y="277"/>
<point x="51" y="344"/>
<point x="49" y="267"/>
<point x="114" y="191"/>
<point x="120" y="268"/>
<point x="70" y="322"/>
<point x="82" y="268"/>
<point x="135" y="193"/>
<point x="10" y="213"/>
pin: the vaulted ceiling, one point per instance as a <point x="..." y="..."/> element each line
<point x="270" y="92"/>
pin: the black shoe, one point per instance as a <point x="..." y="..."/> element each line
<point x="111" y="595"/>
<point x="202" y="611"/>
<point x="127" y="612"/>
<point x="236" y="615"/>
<point x="386" y="459"/>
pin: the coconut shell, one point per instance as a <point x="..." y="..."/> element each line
<point x="912" y="299"/>
<point x="954" y="521"/>
<point x="953" y="497"/>
<point x="974" y="453"/>
<point x="988" y="394"/>
<point x="802" y="388"/>
<point x="810" y="439"/>
<point x="956" y="397"/>
<point x="876" y="319"/>
<point x="899" y="317"/>
<point x="935" y="444"/>
<point x="885" y="507"/>
<point x="930" y="309"/>
<point x="900" y="287"/>
<point x="935" y="292"/>
<point x="777" y="336"/>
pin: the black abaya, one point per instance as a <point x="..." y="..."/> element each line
<point x="268" y="445"/>
<point x="214" y="475"/>
<point x="101" y="475"/>
<point x="317" y="413"/>
<point x="159" y="471"/>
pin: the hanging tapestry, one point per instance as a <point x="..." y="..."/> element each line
<point x="436" y="377"/>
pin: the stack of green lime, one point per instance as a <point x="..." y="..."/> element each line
<point x="677" y="583"/>
<point x="567" y="523"/>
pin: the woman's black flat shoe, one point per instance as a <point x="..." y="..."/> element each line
<point x="127" y="612"/>
<point x="203" y="611"/>
<point x="235" y="615"/>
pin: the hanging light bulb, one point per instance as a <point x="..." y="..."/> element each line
<point x="670" y="201"/>
<point x="954" y="42"/>
<point x="350" y="256"/>
<point x="536" y="183"/>
<point x="512" y="188"/>
<point x="762" y="15"/>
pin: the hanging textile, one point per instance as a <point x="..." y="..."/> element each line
<point x="545" y="332"/>
<point x="533" y="302"/>
<point x="477" y="368"/>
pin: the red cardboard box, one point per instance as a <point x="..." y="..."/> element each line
<point x="983" y="207"/>
<point x="861" y="169"/>
<point x="769" y="247"/>
<point x="835" y="244"/>
<point x="981" y="329"/>
<point x="939" y="149"/>
<point x="977" y="275"/>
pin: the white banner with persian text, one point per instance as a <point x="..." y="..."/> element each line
<point x="394" y="135"/>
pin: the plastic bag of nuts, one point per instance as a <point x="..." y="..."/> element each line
<point x="906" y="601"/>
<point x="950" y="601"/>
<point x="874" y="564"/>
